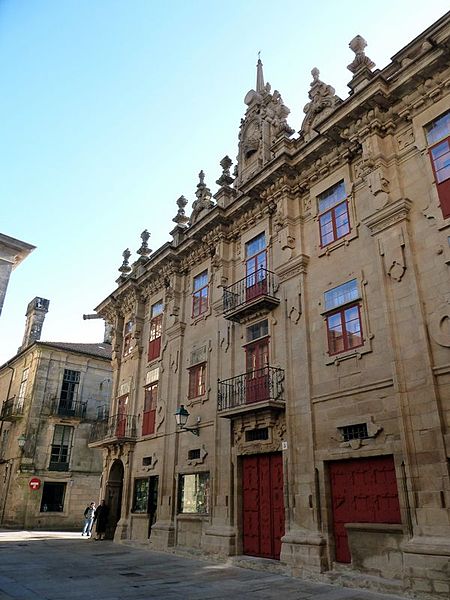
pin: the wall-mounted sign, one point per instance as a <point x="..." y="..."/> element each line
<point x="34" y="483"/>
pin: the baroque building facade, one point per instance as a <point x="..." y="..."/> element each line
<point x="51" y="393"/>
<point x="299" y="320"/>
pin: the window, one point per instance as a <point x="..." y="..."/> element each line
<point x="53" y="497"/>
<point x="256" y="267"/>
<point x="69" y="389"/>
<point x="127" y="338"/>
<point x="150" y="401"/>
<point x="344" y="323"/>
<point x="22" y="389"/>
<point x="154" y="344"/>
<point x="61" y="444"/>
<point x="200" y="294"/>
<point x="197" y="380"/>
<point x="354" y="432"/>
<point x="438" y="138"/>
<point x="194" y="493"/>
<point x="258" y="330"/>
<point x="140" y="496"/>
<point x="254" y="435"/>
<point x="333" y="214"/>
<point x="194" y="454"/>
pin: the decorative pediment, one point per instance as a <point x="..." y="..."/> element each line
<point x="323" y="102"/>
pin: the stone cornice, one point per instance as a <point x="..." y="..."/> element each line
<point x="389" y="215"/>
<point x="293" y="268"/>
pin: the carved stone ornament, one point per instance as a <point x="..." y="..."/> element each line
<point x="323" y="101"/>
<point x="439" y="325"/>
<point x="144" y="250"/>
<point x="180" y="218"/>
<point x="361" y="61"/>
<point x="203" y="202"/>
<point x="125" y="268"/>
<point x="225" y="180"/>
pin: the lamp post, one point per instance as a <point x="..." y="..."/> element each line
<point x="181" y="417"/>
<point x="22" y="440"/>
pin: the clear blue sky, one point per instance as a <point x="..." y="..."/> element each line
<point x="110" y="108"/>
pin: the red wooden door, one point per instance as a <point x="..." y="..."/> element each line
<point x="121" y="416"/>
<point x="257" y="377"/>
<point x="362" y="491"/>
<point x="263" y="505"/>
<point x="256" y="276"/>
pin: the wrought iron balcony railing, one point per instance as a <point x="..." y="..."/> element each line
<point x="67" y="408"/>
<point x="117" y="427"/>
<point x="250" y="292"/>
<point x="262" y="385"/>
<point x="12" y="409"/>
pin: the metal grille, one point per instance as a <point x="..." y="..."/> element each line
<point x="194" y="454"/>
<point x="354" y="432"/>
<point x="254" y="435"/>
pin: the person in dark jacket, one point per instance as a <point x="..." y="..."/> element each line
<point x="101" y="520"/>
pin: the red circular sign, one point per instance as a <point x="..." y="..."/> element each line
<point x="34" y="483"/>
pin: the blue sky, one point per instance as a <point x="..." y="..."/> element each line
<point x="110" y="108"/>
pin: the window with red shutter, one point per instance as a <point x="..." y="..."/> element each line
<point x="334" y="221"/>
<point x="343" y="318"/>
<point x="149" y="415"/>
<point x="438" y="138"/>
<point x="200" y="294"/>
<point x="197" y="380"/>
<point x="154" y="344"/>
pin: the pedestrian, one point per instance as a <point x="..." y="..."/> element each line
<point x="88" y="519"/>
<point x="101" y="520"/>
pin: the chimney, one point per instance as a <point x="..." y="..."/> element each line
<point x="36" y="311"/>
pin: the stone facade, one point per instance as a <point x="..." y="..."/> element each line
<point x="51" y="394"/>
<point x="300" y="316"/>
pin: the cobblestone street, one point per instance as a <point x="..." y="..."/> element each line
<point x="65" y="566"/>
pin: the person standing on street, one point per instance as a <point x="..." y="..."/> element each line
<point x="101" y="520"/>
<point x="88" y="519"/>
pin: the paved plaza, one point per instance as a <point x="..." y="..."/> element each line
<point x="64" y="566"/>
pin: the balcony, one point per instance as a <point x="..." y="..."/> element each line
<point x="114" y="429"/>
<point x="12" y="409"/>
<point x="250" y="294"/>
<point x="68" y="409"/>
<point x="255" y="390"/>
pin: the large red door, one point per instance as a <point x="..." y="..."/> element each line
<point x="362" y="491"/>
<point x="263" y="505"/>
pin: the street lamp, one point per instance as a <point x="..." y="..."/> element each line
<point x="181" y="417"/>
<point x="21" y="440"/>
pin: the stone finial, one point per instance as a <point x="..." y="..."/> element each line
<point x="259" y="75"/>
<point x="225" y="179"/>
<point x="203" y="201"/>
<point x="144" y="250"/>
<point x="361" y="61"/>
<point x="125" y="268"/>
<point x="181" y="219"/>
<point x="323" y="100"/>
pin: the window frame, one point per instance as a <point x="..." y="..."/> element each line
<point x="197" y="381"/>
<point x="332" y="211"/>
<point x="69" y="429"/>
<point x="127" y="346"/>
<point x="47" y="484"/>
<point x="442" y="187"/>
<point x="200" y="295"/>
<point x="351" y="298"/>
<point x="201" y="488"/>
<point x="150" y="399"/>
<point x="155" y="332"/>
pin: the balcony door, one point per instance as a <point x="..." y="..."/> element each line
<point x="256" y="267"/>
<point x="257" y="375"/>
<point x="121" y="416"/>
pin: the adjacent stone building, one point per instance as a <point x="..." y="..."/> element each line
<point x="12" y="253"/>
<point x="299" y="321"/>
<point x="51" y="393"/>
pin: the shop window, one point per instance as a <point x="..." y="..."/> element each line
<point x="438" y="139"/>
<point x="53" y="497"/>
<point x="197" y="380"/>
<point x="194" y="493"/>
<point x="154" y="344"/>
<point x="343" y="318"/>
<point x="200" y="294"/>
<point x="140" y="496"/>
<point x="61" y="446"/>
<point x="334" y="220"/>
<point x="128" y="338"/>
